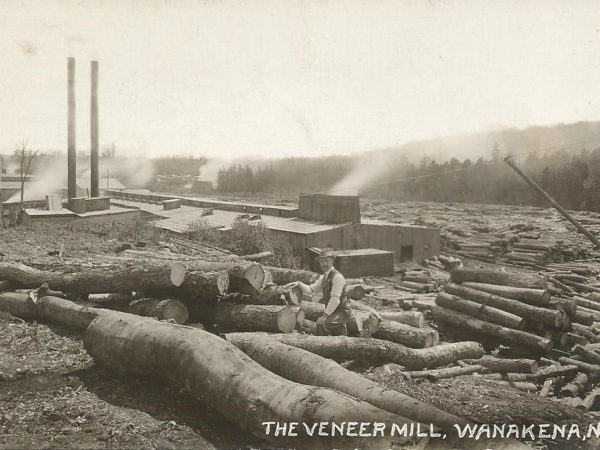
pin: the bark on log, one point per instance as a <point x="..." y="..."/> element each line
<point x="524" y="280"/>
<point x="506" y="376"/>
<point x="271" y="295"/>
<point x="301" y="366"/>
<point x="257" y="256"/>
<point x="171" y="310"/>
<point x="584" y="331"/>
<point x="536" y="297"/>
<point x="388" y="330"/>
<point x="582" y="317"/>
<point x="505" y="365"/>
<point x="283" y="276"/>
<point x="5" y="285"/>
<point x="528" y="312"/>
<point x="479" y="311"/>
<point x="342" y="348"/>
<point x="589" y="304"/>
<point x="507" y="334"/>
<point x="246" y="317"/>
<point x="448" y="372"/>
<point x="228" y="380"/>
<point x="412" y="318"/>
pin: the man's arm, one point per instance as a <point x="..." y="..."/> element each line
<point x="337" y="286"/>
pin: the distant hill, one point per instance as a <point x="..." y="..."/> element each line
<point x="507" y="140"/>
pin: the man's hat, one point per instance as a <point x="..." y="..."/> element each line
<point x="326" y="254"/>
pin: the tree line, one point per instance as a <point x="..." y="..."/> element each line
<point x="573" y="179"/>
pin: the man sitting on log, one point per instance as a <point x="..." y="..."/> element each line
<point x="333" y="289"/>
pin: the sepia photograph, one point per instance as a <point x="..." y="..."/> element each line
<point x="300" y="224"/>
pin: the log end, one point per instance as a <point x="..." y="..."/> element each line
<point x="178" y="271"/>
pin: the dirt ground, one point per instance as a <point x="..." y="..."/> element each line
<point x="52" y="395"/>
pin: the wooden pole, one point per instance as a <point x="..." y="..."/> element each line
<point x="94" y="181"/>
<point x="71" y="145"/>
<point x="553" y="202"/>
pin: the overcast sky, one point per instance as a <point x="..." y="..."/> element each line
<point x="281" y="78"/>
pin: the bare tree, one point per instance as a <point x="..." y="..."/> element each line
<point x="27" y="156"/>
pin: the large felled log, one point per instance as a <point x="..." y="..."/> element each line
<point x="124" y="279"/>
<point x="536" y="297"/>
<point x="228" y="380"/>
<point x="283" y="276"/>
<point x="304" y="367"/>
<point x="246" y="317"/>
<point x="585" y="332"/>
<point x="341" y="348"/>
<point x="507" y="334"/>
<point x="479" y="311"/>
<point x="5" y="285"/>
<point x="505" y="365"/>
<point x="533" y="313"/>
<point x="168" y="309"/>
<point x="525" y="280"/>
<point x="412" y="318"/>
<point x="589" y="304"/>
<point x="387" y="329"/>
<point x="555" y="371"/>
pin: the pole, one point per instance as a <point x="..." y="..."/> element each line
<point x="71" y="149"/>
<point x="553" y="202"/>
<point x="94" y="181"/>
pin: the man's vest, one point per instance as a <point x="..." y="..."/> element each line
<point x="343" y="312"/>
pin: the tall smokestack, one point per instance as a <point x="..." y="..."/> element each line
<point x="71" y="150"/>
<point x="94" y="182"/>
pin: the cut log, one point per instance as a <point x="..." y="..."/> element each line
<point x="546" y="388"/>
<point x="465" y="322"/>
<point x="581" y="287"/>
<point x="479" y="311"/>
<point x="505" y="365"/>
<point x="168" y="309"/>
<point x="528" y="312"/>
<point x="200" y="283"/>
<point x="5" y="285"/>
<point x="589" y="304"/>
<point x="521" y="279"/>
<point x="588" y="356"/>
<point x="555" y="371"/>
<point x="592" y="369"/>
<point x="226" y="379"/>
<point x="575" y="339"/>
<point x="536" y="297"/>
<point x="355" y="291"/>
<point x="257" y="256"/>
<point x="412" y="318"/>
<point x="245" y="317"/>
<point x="584" y="331"/>
<point x="568" y="305"/>
<point x="505" y="376"/>
<point x="283" y="276"/>
<point x="301" y="366"/>
<point x="448" y="372"/>
<point x="343" y="348"/>
<point x="271" y="295"/>
<point x="582" y="317"/>
<point x="575" y="387"/>
<point x="90" y="281"/>
<point x="590" y="401"/>
<point x="114" y="297"/>
<point x="388" y="330"/>
<point x="519" y="385"/>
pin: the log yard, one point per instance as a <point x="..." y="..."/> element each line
<point x="299" y="224"/>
